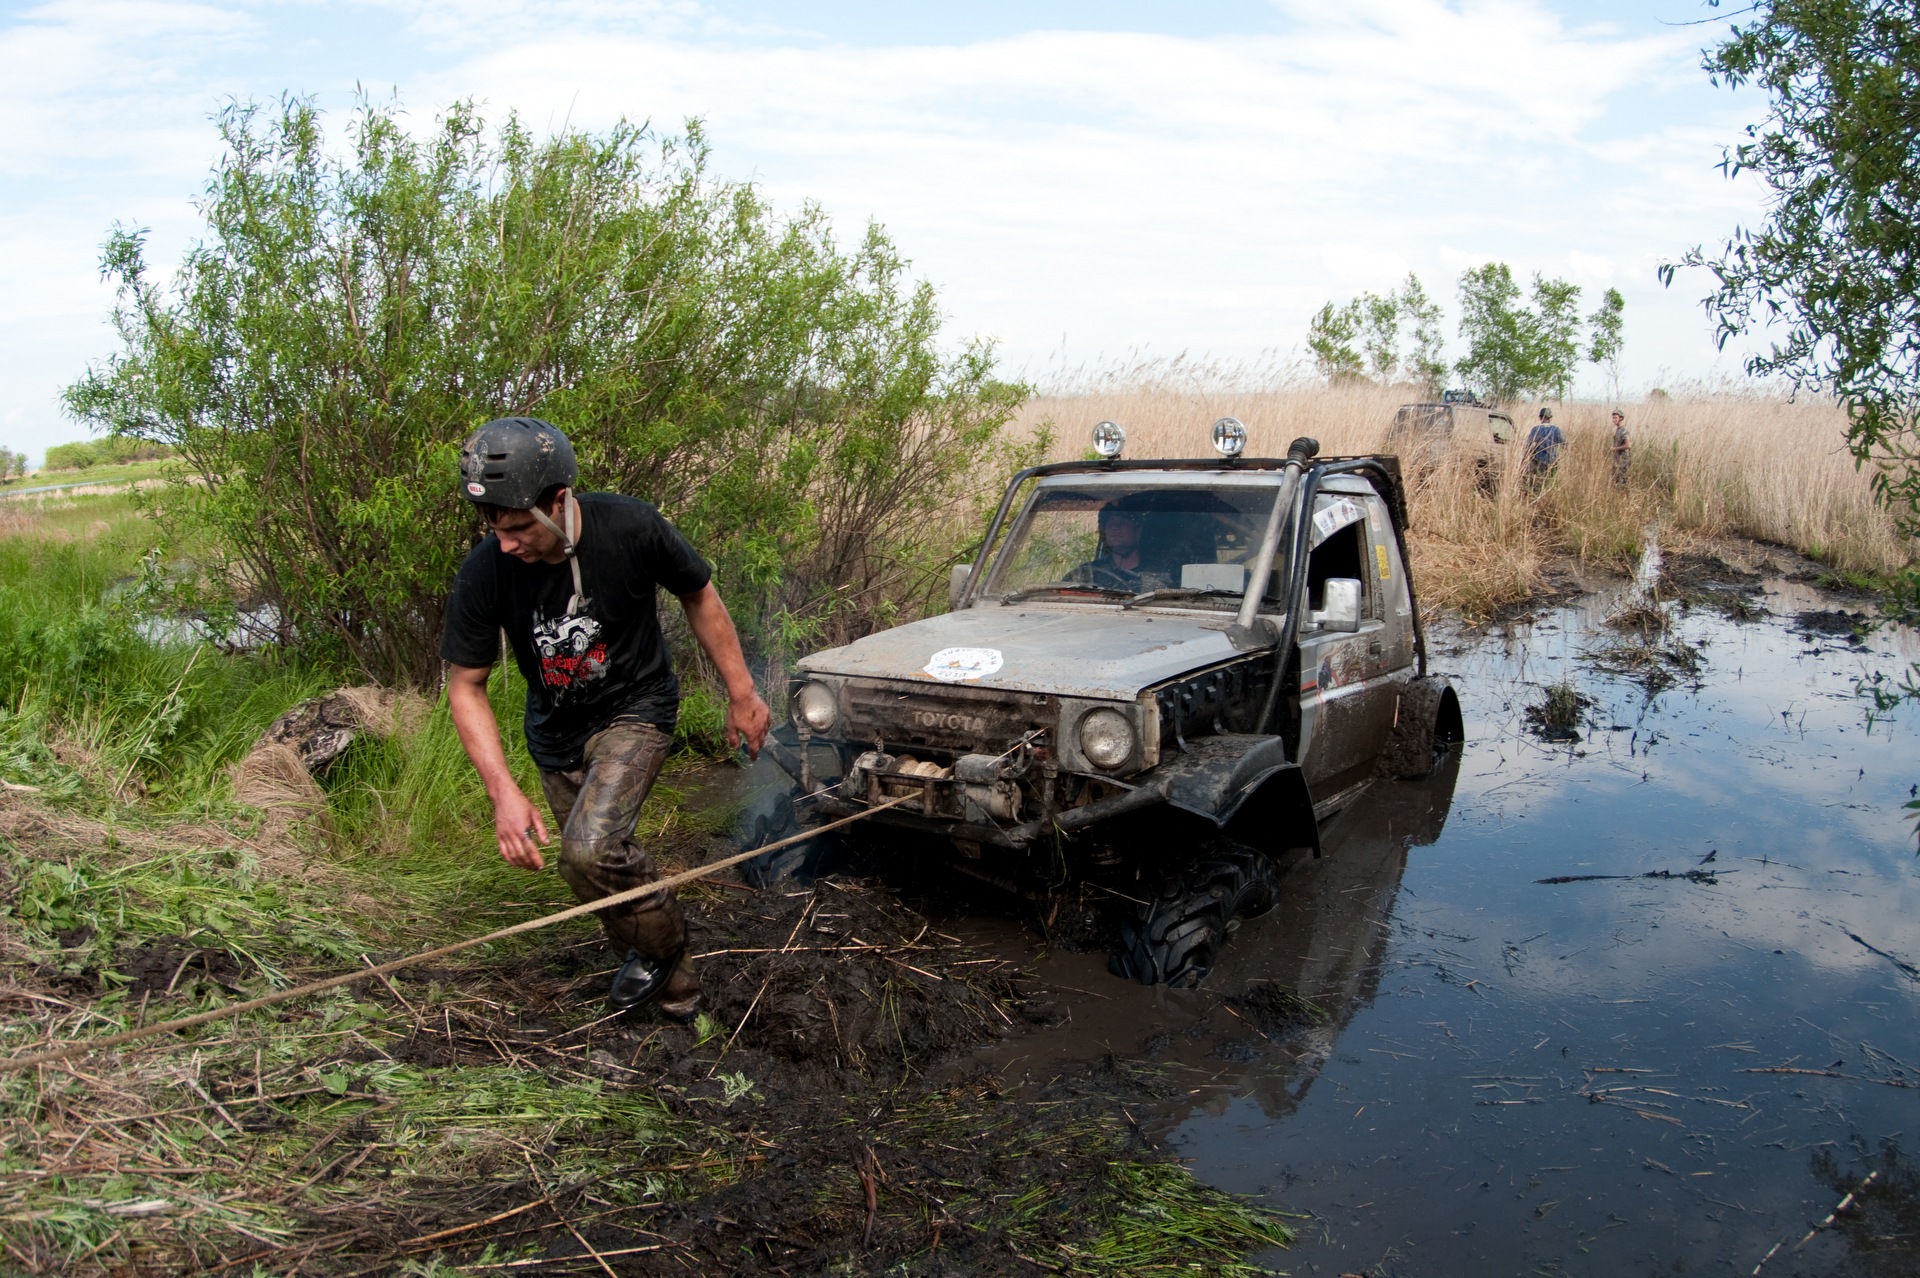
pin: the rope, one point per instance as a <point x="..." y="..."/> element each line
<point x="348" y="978"/>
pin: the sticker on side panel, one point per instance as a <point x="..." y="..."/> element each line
<point x="963" y="665"/>
<point x="1334" y="516"/>
<point x="1386" y="565"/>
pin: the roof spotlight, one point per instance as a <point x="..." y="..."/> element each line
<point x="1230" y="436"/>
<point x="1108" y="439"/>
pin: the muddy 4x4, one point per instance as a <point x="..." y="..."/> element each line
<point x="1164" y="674"/>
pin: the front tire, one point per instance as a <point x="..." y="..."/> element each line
<point x="1176" y="938"/>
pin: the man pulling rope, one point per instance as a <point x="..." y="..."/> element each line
<point x="576" y="598"/>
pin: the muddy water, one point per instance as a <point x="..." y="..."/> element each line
<point x="1516" y="1077"/>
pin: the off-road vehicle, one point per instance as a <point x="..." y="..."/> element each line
<point x="1425" y="435"/>
<point x="1159" y="674"/>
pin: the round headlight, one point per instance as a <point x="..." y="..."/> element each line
<point x="816" y="706"/>
<point x="1106" y="738"/>
<point x="1229" y="436"/>
<point x="1108" y="439"/>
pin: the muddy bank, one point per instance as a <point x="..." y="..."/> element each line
<point x="823" y="1115"/>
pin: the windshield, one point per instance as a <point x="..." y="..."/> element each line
<point x="1186" y="539"/>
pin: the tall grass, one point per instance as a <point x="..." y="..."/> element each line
<point x="1711" y="464"/>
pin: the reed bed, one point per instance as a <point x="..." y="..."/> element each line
<point x="1706" y="465"/>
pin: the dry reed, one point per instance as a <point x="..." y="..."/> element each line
<point x="1713" y="464"/>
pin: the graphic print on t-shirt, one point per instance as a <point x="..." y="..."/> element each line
<point x="572" y="653"/>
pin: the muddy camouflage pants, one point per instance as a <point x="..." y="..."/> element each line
<point x="596" y="808"/>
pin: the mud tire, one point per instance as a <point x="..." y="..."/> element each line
<point x="1429" y="725"/>
<point x="1176" y="937"/>
<point x="796" y="860"/>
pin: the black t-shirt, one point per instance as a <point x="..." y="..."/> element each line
<point x="608" y="661"/>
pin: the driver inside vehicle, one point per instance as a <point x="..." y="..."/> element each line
<point x="1117" y="562"/>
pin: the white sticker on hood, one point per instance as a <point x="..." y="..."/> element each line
<point x="961" y="665"/>
<point x="1333" y="517"/>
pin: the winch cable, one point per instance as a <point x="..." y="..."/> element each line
<point x="87" y="1046"/>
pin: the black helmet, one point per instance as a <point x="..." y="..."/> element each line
<point x="511" y="461"/>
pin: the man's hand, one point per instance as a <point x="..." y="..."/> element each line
<point x="513" y="816"/>
<point x="747" y="715"/>
<point x="748" y="720"/>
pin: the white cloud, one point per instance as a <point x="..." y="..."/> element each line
<point x="1123" y="189"/>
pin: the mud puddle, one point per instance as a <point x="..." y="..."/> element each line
<point x="1446" y="1065"/>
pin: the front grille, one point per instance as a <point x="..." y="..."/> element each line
<point x="944" y="716"/>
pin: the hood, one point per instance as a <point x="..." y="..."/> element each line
<point x="1071" y="652"/>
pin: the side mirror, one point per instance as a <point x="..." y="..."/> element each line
<point x="1342" y="611"/>
<point x="957" y="581"/>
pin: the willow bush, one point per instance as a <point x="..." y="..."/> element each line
<point x="346" y="320"/>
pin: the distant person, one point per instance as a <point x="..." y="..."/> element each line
<point x="1621" y="448"/>
<point x="1544" y="443"/>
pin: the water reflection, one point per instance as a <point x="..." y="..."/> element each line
<point x="1602" y="1075"/>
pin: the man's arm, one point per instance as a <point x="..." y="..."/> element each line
<point x="747" y="715"/>
<point x="513" y="813"/>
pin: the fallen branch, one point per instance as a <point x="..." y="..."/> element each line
<point x="1829" y="1073"/>
<point x="350" y="978"/>
<point x="1839" y="1207"/>
<point x="1691" y="876"/>
<point x="1912" y="972"/>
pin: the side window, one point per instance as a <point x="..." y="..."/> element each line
<point x="1343" y="554"/>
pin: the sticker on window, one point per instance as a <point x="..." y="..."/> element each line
<point x="1334" y="516"/>
<point x="963" y="665"/>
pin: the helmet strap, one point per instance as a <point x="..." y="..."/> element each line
<point x="568" y="545"/>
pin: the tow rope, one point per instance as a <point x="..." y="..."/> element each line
<point x="86" y="1046"/>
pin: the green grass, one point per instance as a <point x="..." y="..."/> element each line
<point x="123" y="473"/>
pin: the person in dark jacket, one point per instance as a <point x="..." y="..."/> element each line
<point x="1544" y="442"/>
<point x="572" y="578"/>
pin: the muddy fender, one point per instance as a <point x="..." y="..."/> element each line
<point x="1426" y="726"/>
<point x="1215" y="775"/>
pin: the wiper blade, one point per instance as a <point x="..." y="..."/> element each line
<point x="1069" y="587"/>
<point x="1184" y="592"/>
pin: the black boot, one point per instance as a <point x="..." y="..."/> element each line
<point x="638" y="982"/>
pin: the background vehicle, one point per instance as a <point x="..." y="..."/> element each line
<point x="1167" y="718"/>
<point x="1423" y="435"/>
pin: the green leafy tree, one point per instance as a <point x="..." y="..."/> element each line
<point x="1830" y="276"/>
<point x="1426" y="362"/>
<point x="1380" y="335"/>
<point x="1499" y="358"/>
<point x="1331" y="336"/>
<point x="345" y="322"/>
<point x="1362" y="338"/>
<point x="1514" y="347"/>
<point x="1608" y="328"/>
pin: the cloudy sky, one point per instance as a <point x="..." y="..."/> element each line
<point x="1081" y="180"/>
